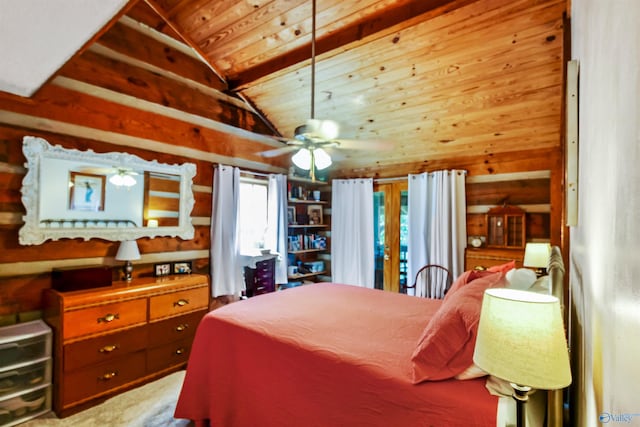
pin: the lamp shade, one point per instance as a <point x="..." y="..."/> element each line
<point x="128" y="251"/>
<point x="521" y="339"/>
<point x="122" y="180"/>
<point x="321" y="158"/>
<point x="302" y="159"/>
<point x="536" y="255"/>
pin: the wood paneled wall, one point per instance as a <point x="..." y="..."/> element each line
<point x="150" y="97"/>
<point x="128" y="92"/>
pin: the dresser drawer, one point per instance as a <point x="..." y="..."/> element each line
<point x="104" y="348"/>
<point x="104" y="318"/>
<point x="174" y="328"/>
<point x="168" y="355"/>
<point x="97" y="379"/>
<point x="177" y="303"/>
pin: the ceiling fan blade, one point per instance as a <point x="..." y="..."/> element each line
<point x="279" y="151"/>
<point x="365" y="144"/>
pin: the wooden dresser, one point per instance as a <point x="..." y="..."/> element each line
<point x="488" y="257"/>
<point x="109" y="339"/>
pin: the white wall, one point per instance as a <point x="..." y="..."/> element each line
<point x="119" y="204"/>
<point x="605" y="246"/>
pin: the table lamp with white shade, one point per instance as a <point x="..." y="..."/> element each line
<point x="128" y="251"/>
<point x="521" y="340"/>
<point x="536" y="255"/>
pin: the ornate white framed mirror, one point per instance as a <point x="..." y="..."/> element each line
<point x="70" y="193"/>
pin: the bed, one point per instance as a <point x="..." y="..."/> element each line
<point x="329" y="354"/>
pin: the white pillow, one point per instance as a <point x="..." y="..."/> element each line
<point x="520" y="278"/>
<point x="541" y="286"/>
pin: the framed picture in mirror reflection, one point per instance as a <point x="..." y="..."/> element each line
<point x="86" y="191"/>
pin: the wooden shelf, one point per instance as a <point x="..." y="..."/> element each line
<point x="308" y="202"/>
<point x="307" y="251"/>
<point x="306" y="180"/>
<point x="308" y="225"/>
<point x="302" y="276"/>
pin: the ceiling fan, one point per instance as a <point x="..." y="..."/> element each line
<point x="118" y="175"/>
<point x="311" y="138"/>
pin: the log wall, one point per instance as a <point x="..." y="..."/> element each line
<point x="150" y="96"/>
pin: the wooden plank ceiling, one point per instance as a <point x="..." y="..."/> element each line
<point x="433" y="79"/>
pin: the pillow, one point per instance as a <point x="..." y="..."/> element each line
<point x="464" y="278"/>
<point x="503" y="268"/>
<point x="541" y="286"/>
<point x="446" y="346"/>
<point x="520" y="278"/>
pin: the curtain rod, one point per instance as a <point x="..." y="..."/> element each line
<point x="398" y="178"/>
<point x="404" y="178"/>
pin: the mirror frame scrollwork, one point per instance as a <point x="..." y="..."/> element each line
<point x="37" y="149"/>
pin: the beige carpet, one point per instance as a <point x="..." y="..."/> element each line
<point x="150" y="405"/>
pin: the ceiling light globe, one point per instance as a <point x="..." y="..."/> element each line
<point x="322" y="159"/>
<point x="302" y="159"/>
<point x="128" y="181"/>
<point x="329" y="129"/>
<point x="116" y="180"/>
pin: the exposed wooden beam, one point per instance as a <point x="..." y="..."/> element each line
<point x="378" y="22"/>
<point x="157" y="8"/>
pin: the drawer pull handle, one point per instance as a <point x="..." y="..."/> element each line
<point x="181" y="302"/>
<point x="108" y="318"/>
<point x="182" y="327"/>
<point x="108" y="376"/>
<point x="108" y="348"/>
<point x="180" y="351"/>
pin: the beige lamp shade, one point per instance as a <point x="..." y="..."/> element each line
<point x="128" y="251"/>
<point x="536" y="255"/>
<point x="521" y="339"/>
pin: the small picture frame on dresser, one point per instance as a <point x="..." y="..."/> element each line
<point x="161" y="270"/>
<point x="182" y="267"/>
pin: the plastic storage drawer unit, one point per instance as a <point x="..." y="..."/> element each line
<point x="25" y="372"/>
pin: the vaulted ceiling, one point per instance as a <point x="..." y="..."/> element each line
<point x="436" y="79"/>
<point x="432" y="79"/>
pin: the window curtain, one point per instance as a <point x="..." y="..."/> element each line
<point x="276" y="234"/>
<point x="352" y="260"/>
<point x="226" y="271"/>
<point x="437" y="222"/>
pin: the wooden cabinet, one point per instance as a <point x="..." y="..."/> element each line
<point x="506" y="227"/>
<point x="107" y="340"/>
<point x="308" y="230"/>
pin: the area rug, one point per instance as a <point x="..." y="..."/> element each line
<point x="150" y="405"/>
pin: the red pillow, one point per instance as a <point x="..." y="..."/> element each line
<point x="464" y="278"/>
<point x="446" y="346"/>
<point x="503" y="267"/>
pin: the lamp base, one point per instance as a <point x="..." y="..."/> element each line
<point x="521" y="395"/>
<point x="128" y="270"/>
<point x="540" y="271"/>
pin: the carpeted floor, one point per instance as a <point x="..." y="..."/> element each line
<point x="150" y="405"/>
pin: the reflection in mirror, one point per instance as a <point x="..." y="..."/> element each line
<point x="69" y="193"/>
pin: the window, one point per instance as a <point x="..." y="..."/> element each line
<point x="253" y="215"/>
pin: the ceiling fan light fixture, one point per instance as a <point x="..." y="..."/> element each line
<point x="122" y="180"/>
<point x="302" y="159"/>
<point x="322" y="159"/>
<point x="329" y="129"/>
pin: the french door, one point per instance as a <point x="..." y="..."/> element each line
<point x="390" y="234"/>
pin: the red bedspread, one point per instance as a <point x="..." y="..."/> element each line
<point x="322" y="355"/>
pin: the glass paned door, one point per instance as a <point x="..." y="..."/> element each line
<point x="390" y="235"/>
